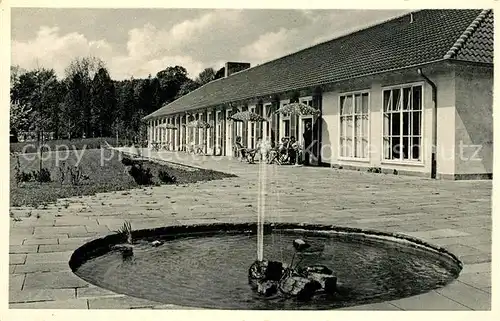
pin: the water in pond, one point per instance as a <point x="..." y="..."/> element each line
<point x="211" y="271"/>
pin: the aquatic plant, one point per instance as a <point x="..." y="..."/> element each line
<point x="126" y="231"/>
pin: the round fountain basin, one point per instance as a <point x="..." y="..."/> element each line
<point x="206" y="266"/>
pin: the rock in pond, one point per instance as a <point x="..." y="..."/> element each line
<point x="322" y="274"/>
<point x="265" y="271"/>
<point x="305" y="247"/>
<point x="300" y="245"/>
<point x="127" y="250"/>
<point x="267" y="288"/>
<point x="301" y="287"/>
<point x="156" y="243"/>
<point x="330" y="285"/>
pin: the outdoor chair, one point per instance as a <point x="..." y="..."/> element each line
<point x="155" y="146"/>
<point x="284" y="157"/>
<point x="274" y="157"/>
<point x="191" y="149"/>
<point x="250" y="155"/>
<point x="240" y="151"/>
<point x="245" y="153"/>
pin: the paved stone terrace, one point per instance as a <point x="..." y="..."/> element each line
<point x="454" y="214"/>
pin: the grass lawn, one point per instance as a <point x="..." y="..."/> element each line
<point x="111" y="176"/>
<point x="53" y="145"/>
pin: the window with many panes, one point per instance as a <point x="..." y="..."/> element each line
<point x="354" y="117"/>
<point x="403" y="123"/>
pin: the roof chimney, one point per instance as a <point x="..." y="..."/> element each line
<point x="411" y="17"/>
<point x="232" y="67"/>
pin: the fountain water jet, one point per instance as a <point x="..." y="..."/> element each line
<point x="261" y="203"/>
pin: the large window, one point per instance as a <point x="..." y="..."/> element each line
<point x="286" y="127"/>
<point x="286" y="123"/>
<point x="403" y="123"/>
<point x="354" y="117"/>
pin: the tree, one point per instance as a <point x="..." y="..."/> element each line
<point x="103" y="103"/>
<point x="35" y="96"/>
<point x="171" y="80"/>
<point x="15" y="74"/>
<point x="86" y="68"/>
<point x="220" y="73"/>
<point x="144" y="95"/>
<point x="205" y="76"/>
<point x="126" y="107"/>
<point x="42" y="100"/>
<point x="155" y="94"/>
<point x="188" y="86"/>
<point x="19" y="117"/>
<point x="72" y="108"/>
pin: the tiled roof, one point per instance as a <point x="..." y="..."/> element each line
<point x="396" y="43"/>
<point x="478" y="47"/>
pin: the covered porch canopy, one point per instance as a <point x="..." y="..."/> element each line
<point x="215" y="129"/>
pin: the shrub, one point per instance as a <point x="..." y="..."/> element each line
<point x="374" y="170"/>
<point x="23" y="177"/>
<point x="128" y="161"/>
<point x="77" y="175"/>
<point x="62" y="173"/>
<point x="142" y="176"/>
<point x="166" y="178"/>
<point x="42" y="176"/>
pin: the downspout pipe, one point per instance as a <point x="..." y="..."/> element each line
<point x="434" y="123"/>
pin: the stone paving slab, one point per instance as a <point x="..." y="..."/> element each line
<point x="75" y="241"/>
<point x="37" y="241"/>
<point x="384" y="306"/>
<point x="56" y="248"/>
<point x="430" y="301"/>
<point x="53" y="280"/>
<point x="17" y="258"/>
<point x="20" y="249"/>
<point x="16" y="282"/>
<point x="40" y="267"/>
<point x="456" y="215"/>
<point x="54" y="257"/>
<point x="34" y="295"/>
<point x="95" y="292"/>
<point x="120" y="302"/>
<point x="467" y="295"/>
<point x="473" y="259"/>
<point x="477" y="268"/>
<point x="478" y="280"/>
<point x="58" y="304"/>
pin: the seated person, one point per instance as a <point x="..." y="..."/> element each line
<point x="283" y="150"/>
<point x="283" y="147"/>
<point x="264" y="147"/>
<point x="241" y="151"/>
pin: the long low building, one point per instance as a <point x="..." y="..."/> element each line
<point x="413" y="94"/>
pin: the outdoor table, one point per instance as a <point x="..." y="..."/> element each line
<point x="155" y="146"/>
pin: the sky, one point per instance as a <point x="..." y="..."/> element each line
<point x="139" y="42"/>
